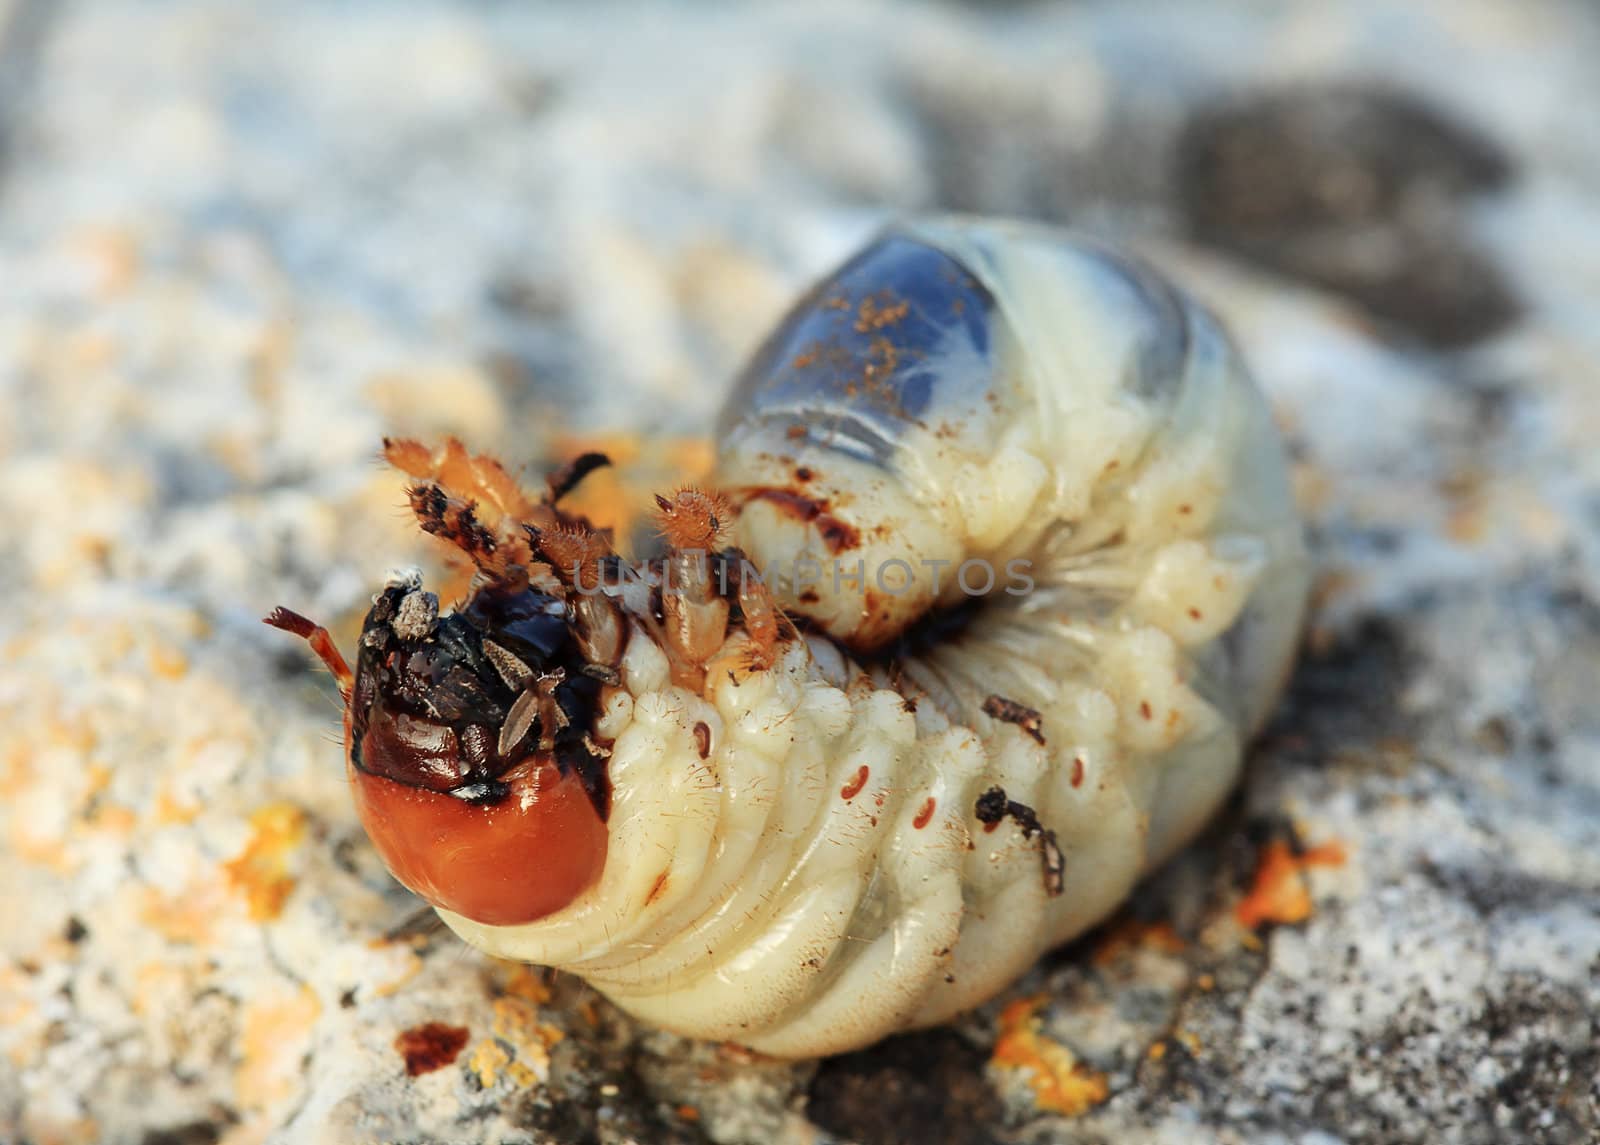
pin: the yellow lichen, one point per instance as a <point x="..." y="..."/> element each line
<point x="261" y="870"/>
<point x="275" y="1034"/>
<point x="190" y="915"/>
<point x="1060" y="1082"/>
<point x="486" y="1061"/>
<point x="528" y="982"/>
<point x="1279" y="893"/>
<point x="1130" y="935"/>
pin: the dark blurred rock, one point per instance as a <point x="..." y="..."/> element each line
<point x="925" y="1087"/>
<point x="1356" y="190"/>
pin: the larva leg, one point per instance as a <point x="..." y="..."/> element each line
<point x="761" y="618"/>
<point x="694" y="613"/>
<point x="456" y="521"/>
<point x="479" y="479"/>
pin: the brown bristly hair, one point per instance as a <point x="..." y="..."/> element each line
<point x="575" y="552"/>
<point x="694" y="519"/>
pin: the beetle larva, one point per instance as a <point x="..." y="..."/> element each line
<point x="1032" y="577"/>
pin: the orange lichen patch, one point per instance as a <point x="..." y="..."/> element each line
<point x="191" y="915"/>
<point x="261" y="870"/>
<point x="1279" y="893"/>
<point x="622" y="497"/>
<point x="20" y="1016"/>
<point x="520" y="1047"/>
<point x="16" y="772"/>
<point x="163" y="987"/>
<point x="688" y="1113"/>
<point x="275" y="1034"/>
<point x="589" y="1011"/>
<point x="114" y="819"/>
<point x="41" y="843"/>
<point x="97" y="812"/>
<point x="167" y="661"/>
<point x="111" y="254"/>
<point x="486" y="1061"/>
<point x="517" y="1022"/>
<point x="524" y="1075"/>
<point x="43" y="1127"/>
<point x="1130" y="935"/>
<point x="97" y="778"/>
<point x="1060" y="1082"/>
<point x="528" y="983"/>
<point x="430" y="1046"/>
<point x="171" y="809"/>
<point x="410" y="965"/>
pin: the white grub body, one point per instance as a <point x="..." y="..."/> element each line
<point x="795" y="860"/>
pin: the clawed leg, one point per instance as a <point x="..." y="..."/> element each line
<point x="479" y="479"/>
<point x="455" y="520"/>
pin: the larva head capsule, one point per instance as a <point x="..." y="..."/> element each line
<point x="467" y="749"/>
<point x="906" y="416"/>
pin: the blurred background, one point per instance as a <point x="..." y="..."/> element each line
<point x="240" y="243"/>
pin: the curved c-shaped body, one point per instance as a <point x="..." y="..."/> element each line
<point x="810" y="857"/>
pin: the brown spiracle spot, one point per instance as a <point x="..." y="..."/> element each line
<point x="430" y="1046"/>
<point x="656" y="888"/>
<point x="925" y="815"/>
<point x="853" y="788"/>
<point x="702" y="739"/>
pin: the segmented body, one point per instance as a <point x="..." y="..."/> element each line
<point x="809" y="856"/>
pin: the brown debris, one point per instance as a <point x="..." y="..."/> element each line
<point x="430" y="1046"/>
<point x="993" y="807"/>
<point x="1011" y="712"/>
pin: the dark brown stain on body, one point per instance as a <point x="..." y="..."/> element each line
<point x="838" y="535"/>
<point x="1011" y="712"/>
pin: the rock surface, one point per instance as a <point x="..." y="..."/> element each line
<point x="239" y="244"/>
